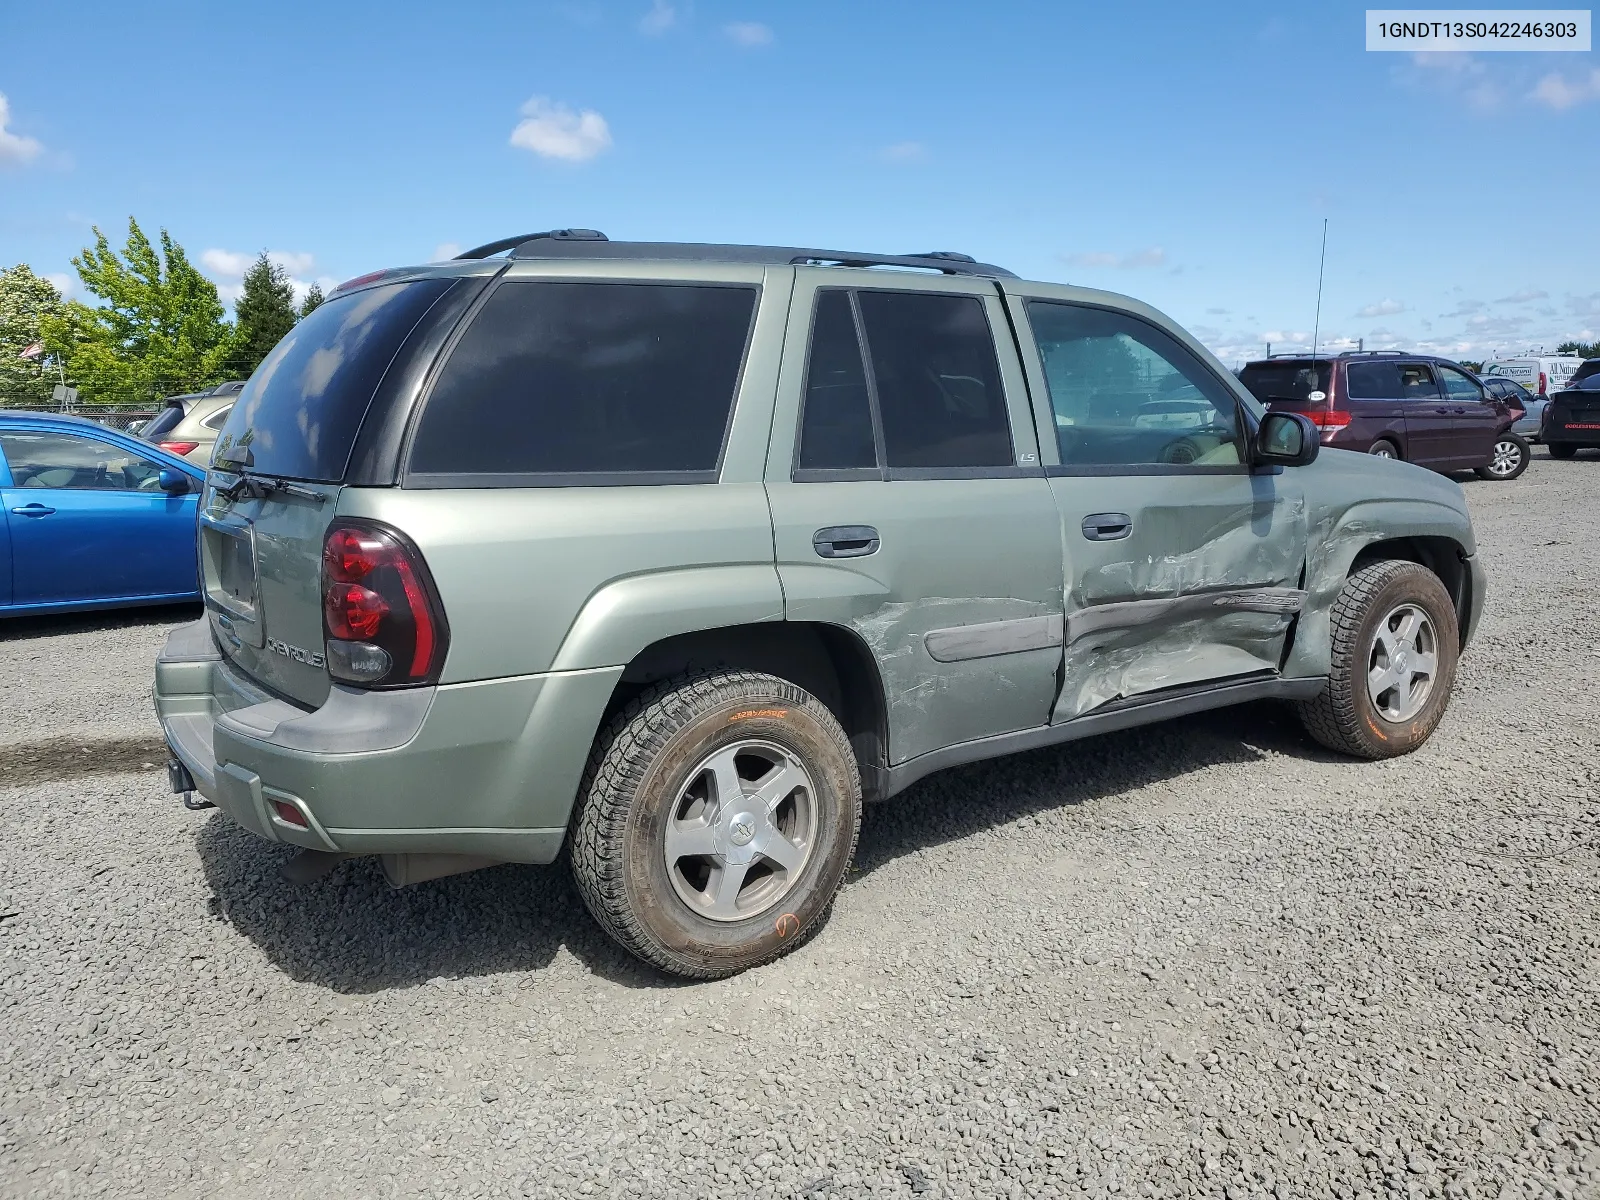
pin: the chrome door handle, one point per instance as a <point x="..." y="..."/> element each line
<point x="34" y="510"/>
<point x="1107" y="527"/>
<point x="845" y="541"/>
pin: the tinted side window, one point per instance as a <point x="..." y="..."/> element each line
<point x="1417" y="382"/>
<point x="937" y="380"/>
<point x="60" y="460"/>
<point x="1126" y="393"/>
<point x="576" y="379"/>
<point x="1373" y="381"/>
<point x="1458" y="386"/>
<point x="836" y="421"/>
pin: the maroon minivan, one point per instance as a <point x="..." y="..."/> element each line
<point x="1425" y="410"/>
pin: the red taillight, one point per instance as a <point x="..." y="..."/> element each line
<point x="380" y="612"/>
<point x="1329" y="418"/>
<point x="1541" y="383"/>
<point x="354" y="613"/>
<point x="179" y="448"/>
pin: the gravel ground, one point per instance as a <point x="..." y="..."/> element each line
<point x="1200" y="959"/>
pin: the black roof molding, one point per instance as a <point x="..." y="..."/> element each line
<point x="511" y="243"/>
<point x="591" y="244"/>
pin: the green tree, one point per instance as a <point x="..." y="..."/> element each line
<point x="313" y="298"/>
<point x="264" y="312"/>
<point x="1581" y="349"/>
<point x="26" y="302"/>
<point x="158" y="330"/>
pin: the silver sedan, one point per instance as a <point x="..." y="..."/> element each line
<point x="1513" y="392"/>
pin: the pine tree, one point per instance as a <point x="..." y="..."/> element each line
<point x="264" y="312"/>
<point x="313" y="298"/>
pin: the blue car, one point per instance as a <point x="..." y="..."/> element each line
<point x="93" y="518"/>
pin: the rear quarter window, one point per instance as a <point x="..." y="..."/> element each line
<point x="1285" y="381"/>
<point x="583" y="382"/>
<point x="299" y="414"/>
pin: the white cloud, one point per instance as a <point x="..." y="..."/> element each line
<point x="1523" y="297"/>
<point x="15" y="149"/>
<point x="1155" y="256"/>
<point x="554" y="130"/>
<point x="661" y="17"/>
<point x="445" y="250"/>
<point x="232" y="263"/>
<point x="64" y="283"/>
<point x="1384" y="308"/>
<point x="296" y="262"/>
<point x="228" y="268"/>
<point x="1459" y="73"/>
<point x="749" y="34"/>
<point x="904" y="152"/>
<point x="1561" y="94"/>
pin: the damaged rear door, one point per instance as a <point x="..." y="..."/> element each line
<point x="908" y="504"/>
<point x="1182" y="566"/>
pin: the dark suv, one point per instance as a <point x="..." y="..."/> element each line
<point x="1571" y="421"/>
<point x="1426" y="410"/>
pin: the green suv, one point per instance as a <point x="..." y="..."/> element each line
<point x="674" y="555"/>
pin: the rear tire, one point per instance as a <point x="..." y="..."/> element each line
<point x="1390" y="621"/>
<point x="1383" y="448"/>
<point x="716" y="821"/>
<point x="1511" y="455"/>
<point x="1561" y="449"/>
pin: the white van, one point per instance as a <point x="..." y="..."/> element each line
<point x="1541" y="374"/>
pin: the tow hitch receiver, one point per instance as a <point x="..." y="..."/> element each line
<point x="183" y="784"/>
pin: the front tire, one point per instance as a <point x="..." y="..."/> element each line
<point x="1561" y="449"/>
<point x="1509" y="458"/>
<point x="716" y="821"/>
<point x="1393" y="663"/>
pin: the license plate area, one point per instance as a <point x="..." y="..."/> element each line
<point x="228" y="564"/>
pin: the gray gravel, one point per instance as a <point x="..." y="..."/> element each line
<point x="1200" y="959"/>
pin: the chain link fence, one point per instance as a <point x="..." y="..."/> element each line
<point x="113" y="416"/>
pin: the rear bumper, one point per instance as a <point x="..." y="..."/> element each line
<point x="488" y="769"/>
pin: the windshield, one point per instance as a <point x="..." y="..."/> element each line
<point x="1269" y="381"/>
<point x="299" y="414"/>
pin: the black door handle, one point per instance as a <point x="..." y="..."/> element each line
<point x="845" y="541"/>
<point x="1107" y="527"/>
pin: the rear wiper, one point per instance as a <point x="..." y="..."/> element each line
<point x="259" y="487"/>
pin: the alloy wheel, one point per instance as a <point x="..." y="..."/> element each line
<point x="1507" y="457"/>
<point x="741" y="830"/>
<point x="1402" y="663"/>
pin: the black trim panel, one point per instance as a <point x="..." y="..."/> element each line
<point x="1119" y="714"/>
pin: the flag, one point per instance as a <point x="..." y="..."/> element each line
<point x="33" y="351"/>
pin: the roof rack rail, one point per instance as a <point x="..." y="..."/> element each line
<point x="511" y="243"/>
<point x="591" y="244"/>
<point x="1373" y="354"/>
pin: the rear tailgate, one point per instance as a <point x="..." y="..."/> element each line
<point x="1576" y="411"/>
<point x="261" y="559"/>
<point x="277" y="476"/>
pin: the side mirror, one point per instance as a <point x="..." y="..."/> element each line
<point x="173" y="481"/>
<point x="1287" y="439"/>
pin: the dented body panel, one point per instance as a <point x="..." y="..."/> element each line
<point x="1210" y="541"/>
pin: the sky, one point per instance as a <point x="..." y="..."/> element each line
<point x="1179" y="153"/>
